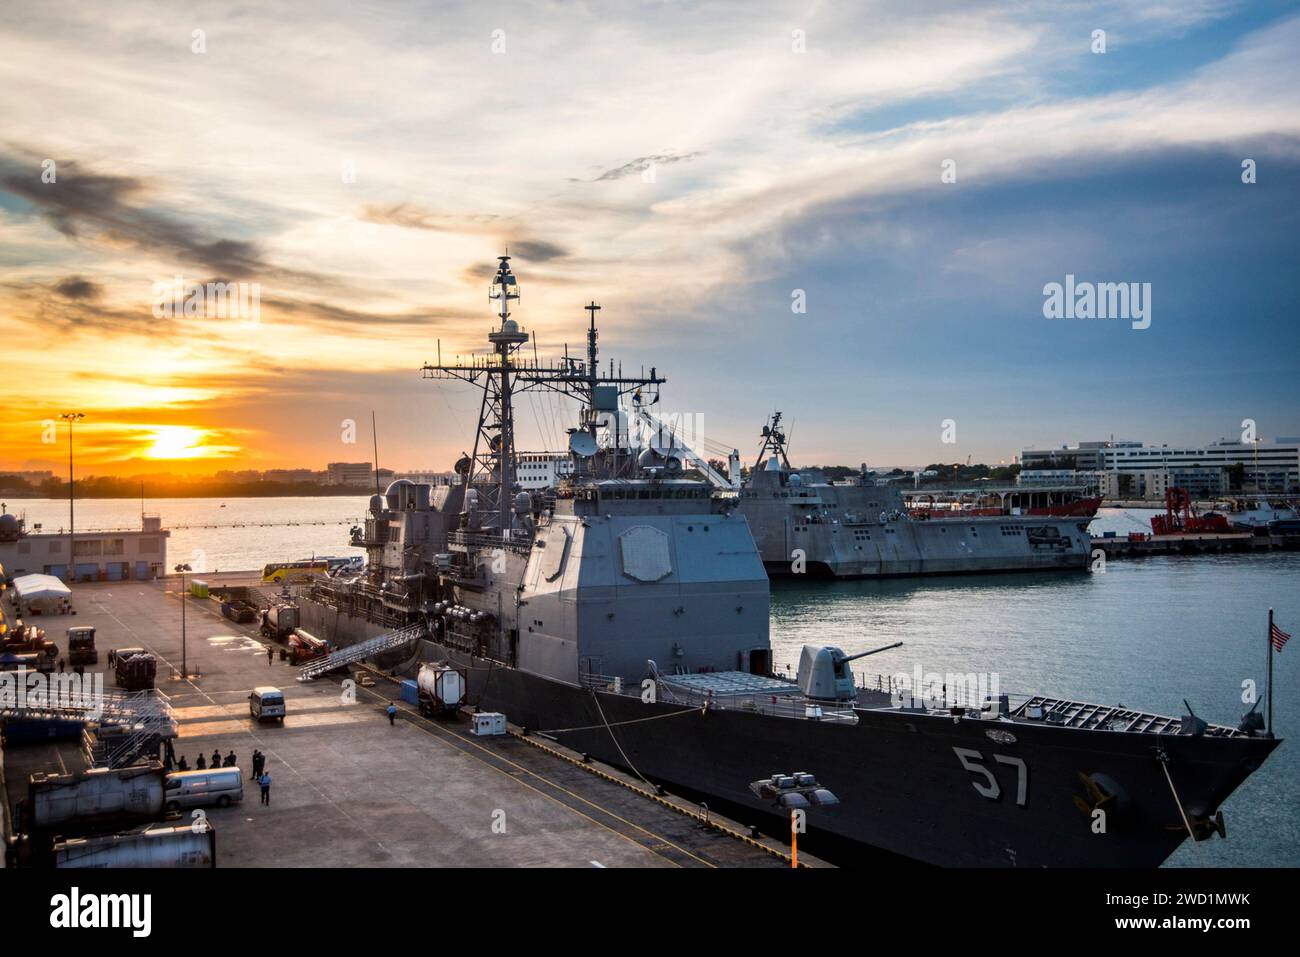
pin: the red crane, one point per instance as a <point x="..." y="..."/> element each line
<point x="1181" y="516"/>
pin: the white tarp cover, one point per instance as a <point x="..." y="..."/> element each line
<point x="37" y="587"/>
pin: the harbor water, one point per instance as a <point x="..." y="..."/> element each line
<point x="1147" y="633"/>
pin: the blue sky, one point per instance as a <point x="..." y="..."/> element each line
<point x="687" y="165"/>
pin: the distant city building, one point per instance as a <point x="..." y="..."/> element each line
<point x="1089" y="477"/>
<point x="286" y="476"/>
<point x="102" y="555"/>
<point x="244" y="476"/>
<point x="427" y="477"/>
<point x="359" y="474"/>
<point x="18" y="480"/>
<point x="1203" y="471"/>
<point x="33" y="477"/>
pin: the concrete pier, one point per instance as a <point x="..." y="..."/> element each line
<point x="352" y="791"/>
<point x="1194" y="544"/>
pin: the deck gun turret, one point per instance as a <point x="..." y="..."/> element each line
<point x="824" y="671"/>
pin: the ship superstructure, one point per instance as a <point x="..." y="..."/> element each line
<point x="628" y="619"/>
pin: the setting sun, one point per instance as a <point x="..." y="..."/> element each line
<point x="178" y="442"/>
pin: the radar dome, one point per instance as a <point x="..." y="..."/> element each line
<point x="394" y="493"/>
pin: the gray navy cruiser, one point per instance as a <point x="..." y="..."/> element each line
<point x="856" y="528"/>
<point x="627" y="618"/>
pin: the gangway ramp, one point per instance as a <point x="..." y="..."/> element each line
<point x="361" y="651"/>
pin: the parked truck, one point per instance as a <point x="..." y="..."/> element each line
<point x="236" y="609"/>
<point x="280" y="620"/>
<point x="182" y="845"/>
<point x="81" y="646"/>
<point x="82" y="801"/>
<point x="134" y="668"/>
<point x="441" y="689"/>
<point x="304" y="646"/>
<point x="28" y="640"/>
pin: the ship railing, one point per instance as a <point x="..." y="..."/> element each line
<point x="774" y="704"/>
<point x="614" y="684"/>
<point x="518" y="540"/>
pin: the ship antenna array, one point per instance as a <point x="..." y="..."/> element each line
<point x="501" y="375"/>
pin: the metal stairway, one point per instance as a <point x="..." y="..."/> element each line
<point x="130" y="725"/>
<point x="361" y="651"/>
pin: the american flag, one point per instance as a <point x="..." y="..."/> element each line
<point x="1278" y="637"/>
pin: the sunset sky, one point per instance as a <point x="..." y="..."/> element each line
<point x="689" y="166"/>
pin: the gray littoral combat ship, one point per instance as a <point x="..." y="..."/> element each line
<point x="803" y="524"/>
<point x="628" y="619"/>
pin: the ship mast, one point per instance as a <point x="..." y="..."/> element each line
<point x="503" y="374"/>
<point x="773" y="442"/>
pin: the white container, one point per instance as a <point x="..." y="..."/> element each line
<point x="442" y="688"/>
<point x="98" y="795"/>
<point x="186" y="845"/>
<point x="488" y="723"/>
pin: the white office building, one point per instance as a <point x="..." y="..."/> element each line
<point x="138" y="554"/>
<point x="1265" y="466"/>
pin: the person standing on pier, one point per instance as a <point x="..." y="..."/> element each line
<point x="270" y="655"/>
<point x="265" y="782"/>
<point x="392" y="714"/>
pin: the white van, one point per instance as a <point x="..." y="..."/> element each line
<point x="266" y="703"/>
<point x="220" y="786"/>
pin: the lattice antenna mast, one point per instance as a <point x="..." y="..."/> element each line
<point x="773" y="442"/>
<point x="503" y="374"/>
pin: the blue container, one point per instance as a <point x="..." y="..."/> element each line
<point x="410" y="691"/>
<point x="34" y="731"/>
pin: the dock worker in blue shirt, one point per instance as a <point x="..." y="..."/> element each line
<point x="265" y="782"/>
<point x="392" y="714"/>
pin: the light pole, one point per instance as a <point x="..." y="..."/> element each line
<point x="70" y="418"/>
<point x="794" y="793"/>
<point x="185" y="668"/>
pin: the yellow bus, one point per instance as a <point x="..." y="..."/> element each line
<point x="279" y="572"/>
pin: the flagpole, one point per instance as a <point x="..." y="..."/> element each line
<point x="1270" y="671"/>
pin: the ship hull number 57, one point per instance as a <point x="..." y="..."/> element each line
<point x="986" y="783"/>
